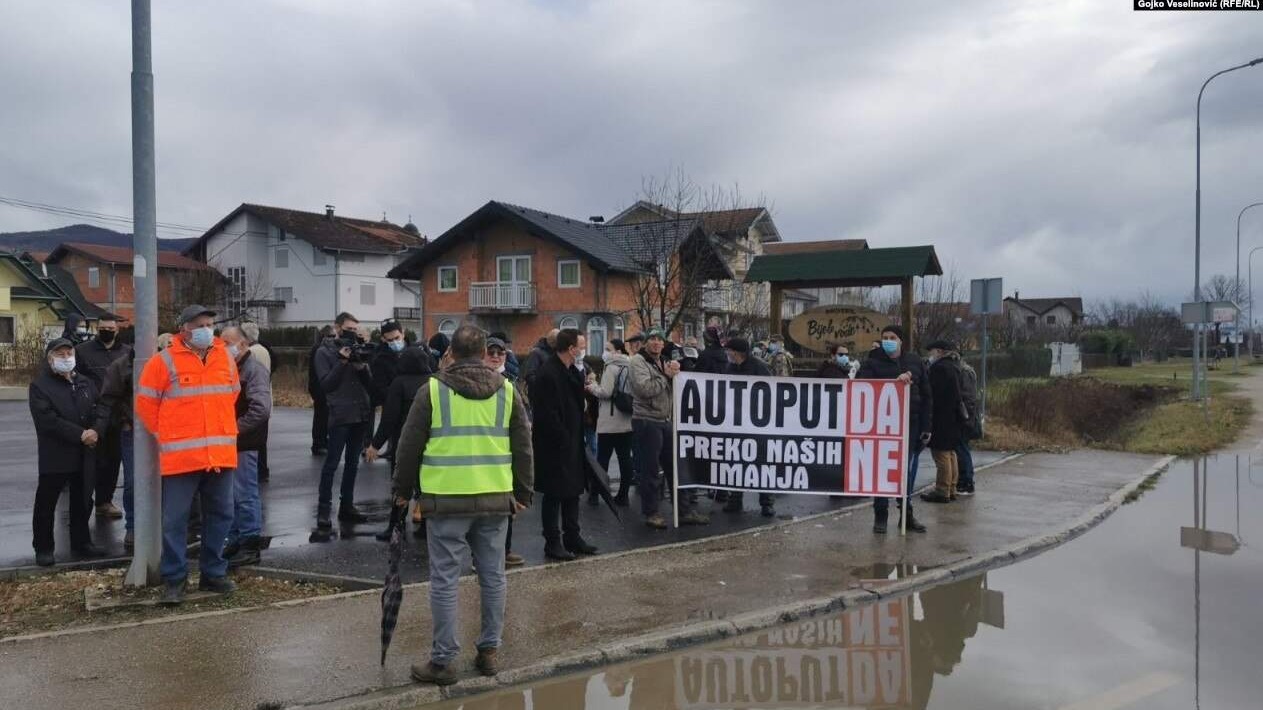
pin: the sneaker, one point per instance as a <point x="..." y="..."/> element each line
<point x="108" y="510"/>
<point x="768" y="511"/>
<point x="173" y="594"/>
<point x="433" y="673"/>
<point x="218" y="585"/>
<point x="44" y="559"/>
<point x="657" y="522"/>
<point x="966" y="490"/>
<point x="694" y="518"/>
<point x="350" y="514"/>
<point x="512" y="559"/>
<point x="486" y="662"/>
<point x="936" y="496"/>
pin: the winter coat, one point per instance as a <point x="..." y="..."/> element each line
<point x="650" y="388"/>
<point x="752" y="367"/>
<point x="831" y="370"/>
<point x="538" y="356"/>
<point x="92" y="359"/>
<point x="781" y="364"/>
<point x="473" y="380"/>
<point x="880" y="366"/>
<point x="114" y="406"/>
<point x="512" y="368"/>
<point x="254" y="404"/>
<point x="62" y="409"/>
<point x="313" y="382"/>
<point x="265" y="356"/>
<point x="969" y="395"/>
<point x="948" y="417"/>
<point x="412" y="373"/>
<point x="557" y="436"/>
<point x="712" y="359"/>
<point x="385" y="362"/>
<point x="346" y="387"/>
<point x="612" y="419"/>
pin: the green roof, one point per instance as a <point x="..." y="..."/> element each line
<point x="859" y="267"/>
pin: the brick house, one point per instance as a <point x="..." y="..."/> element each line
<point x="522" y="271"/>
<point x="104" y="275"/>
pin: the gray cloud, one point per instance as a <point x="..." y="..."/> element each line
<point x="1051" y="144"/>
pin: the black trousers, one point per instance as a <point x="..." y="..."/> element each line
<point x="46" y="495"/>
<point x="319" y="423"/>
<point x="566" y="510"/>
<point x="109" y="456"/>
<point x="609" y="444"/>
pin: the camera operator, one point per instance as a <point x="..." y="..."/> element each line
<point x="385" y="365"/>
<point x="343" y="373"/>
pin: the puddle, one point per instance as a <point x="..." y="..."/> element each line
<point x="1158" y="607"/>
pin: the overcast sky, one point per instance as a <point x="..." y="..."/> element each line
<point x="1050" y="143"/>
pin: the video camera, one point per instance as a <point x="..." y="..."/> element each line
<point x="360" y="351"/>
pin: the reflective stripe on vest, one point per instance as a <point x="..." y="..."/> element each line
<point x="468" y="452"/>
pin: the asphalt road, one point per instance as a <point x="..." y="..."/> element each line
<point x="289" y="503"/>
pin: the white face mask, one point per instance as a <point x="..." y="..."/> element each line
<point x="233" y="352"/>
<point x="578" y="364"/>
<point x="500" y="369"/>
<point x="607" y="356"/>
<point x="63" y="365"/>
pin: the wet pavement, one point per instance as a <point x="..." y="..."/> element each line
<point x="327" y="649"/>
<point x="289" y="502"/>
<point x="1156" y="608"/>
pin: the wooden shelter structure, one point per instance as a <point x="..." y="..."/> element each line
<point x="844" y="266"/>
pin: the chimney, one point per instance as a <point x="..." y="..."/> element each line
<point x="596" y="219"/>
<point x="1017" y="295"/>
<point x="329" y="211"/>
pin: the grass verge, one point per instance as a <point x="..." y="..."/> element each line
<point x="1182" y="428"/>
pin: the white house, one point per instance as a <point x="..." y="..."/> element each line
<point x="292" y="268"/>
<point x="1032" y="314"/>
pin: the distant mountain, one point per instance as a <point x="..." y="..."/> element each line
<point x="48" y="239"/>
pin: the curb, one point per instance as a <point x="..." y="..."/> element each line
<point x="678" y="637"/>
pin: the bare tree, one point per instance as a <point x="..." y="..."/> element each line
<point x="1222" y="287"/>
<point x="939" y="312"/>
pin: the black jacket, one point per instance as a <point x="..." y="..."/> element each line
<point x="92" y="359"/>
<point x="530" y="369"/>
<point x="114" y="407"/>
<point x="313" y="382"/>
<point x="62" y="410"/>
<point x="385" y="362"/>
<point x="557" y="434"/>
<point x="412" y="374"/>
<point x="831" y="370"/>
<point x="346" y="387"/>
<point x="945" y="384"/>
<point x="713" y="359"/>
<point x="751" y="367"/>
<point x="880" y="366"/>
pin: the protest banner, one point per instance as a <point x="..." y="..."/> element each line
<point x="860" y="659"/>
<point x="791" y="435"/>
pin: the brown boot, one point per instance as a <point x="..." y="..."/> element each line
<point x="486" y="662"/>
<point x="429" y="673"/>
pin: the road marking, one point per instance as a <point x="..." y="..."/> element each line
<point x="1128" y="693"/>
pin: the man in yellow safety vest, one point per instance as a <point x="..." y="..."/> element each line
<point x="467" y="444"/>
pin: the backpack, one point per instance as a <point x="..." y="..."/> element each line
<point x="621" y="398"/>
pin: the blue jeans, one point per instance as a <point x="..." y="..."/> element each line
<point x="247" y="520"/>
<point x="129" y="479"/>
<point x="448" y="539"/>
<point x="914" y="440"/>
<point x="589" y="440"/>
<point x="177" y="498"/>
<point x="965" y="461"/>
<point x="348" y="439"/>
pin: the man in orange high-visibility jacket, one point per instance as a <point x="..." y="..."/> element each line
<point x="186" y="397"/>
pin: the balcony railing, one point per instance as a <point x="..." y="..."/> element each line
<point x="407" y="313"/>
<point x="502" y="297"/>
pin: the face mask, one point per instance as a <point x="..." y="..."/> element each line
<point x="890" y="346"/>
<point x="81" y="331"/>
<point x="63" y="365"/>
<point x="578" y="363"/>
<point x="844" y="360"/>
<point x="500" y="369"/>
<point x="774" y="348"/>
<point x="233" y="352"/>
<point x="396" y="346"/>
<point x="933" y="359"/>
<point x="105" y="336"/>
<point x="607" y="356"/>
<point x="201" y="338"/>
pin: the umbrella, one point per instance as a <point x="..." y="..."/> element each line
<point x="600" y="481"/>
<point x="392" y="589"/>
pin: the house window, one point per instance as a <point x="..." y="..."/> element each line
<point x="368" y="294"/>
<point x="275" y="232"/>
<point x="568" y="274"/>
<point x="1052" y="320"/>
<point x="596" y="335"/>
<point x="1030" y="320"/>
<point x="282" y="258"/>
<point x="513" y="269"/>
<point x="690" y="330"/>
<point x="447" y="327"/>
<point x="8" y="330"/>
<point x="620" y="327"/>
<point x="94" y="277"/>
<point x="447" y="279"/>
<point x="284" y="294"/>
<point x="236" y="290"/>
<point x="318" y="257"/>
<point x="569" y="322"/>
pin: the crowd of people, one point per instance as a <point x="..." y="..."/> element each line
<point x="472" y="435"/>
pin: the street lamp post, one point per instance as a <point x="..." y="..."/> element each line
<point x="1250" y="325"/>
<point x="1197" y="227"/>
<point x="1236" y="288"/>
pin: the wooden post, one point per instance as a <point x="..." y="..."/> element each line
<point x="907" y="315"/>
<point x="774" y="310"/>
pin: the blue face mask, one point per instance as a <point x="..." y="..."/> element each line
<point x="774" y="348"/>
<point x="890" y="346"/>
<point x="201" y="338"/>
<point x="844" y="360"/>
<point x="396" y="345"/>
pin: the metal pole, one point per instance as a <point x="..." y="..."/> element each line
<point x="1250" y="326"/>
<point x="1197" y="228"/>
<point x="148" y="498"/>
<point x="1236" y="290"/>
<point x="982" y="403"/>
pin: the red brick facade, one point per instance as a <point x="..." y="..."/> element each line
<point x="114" y="291"/>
